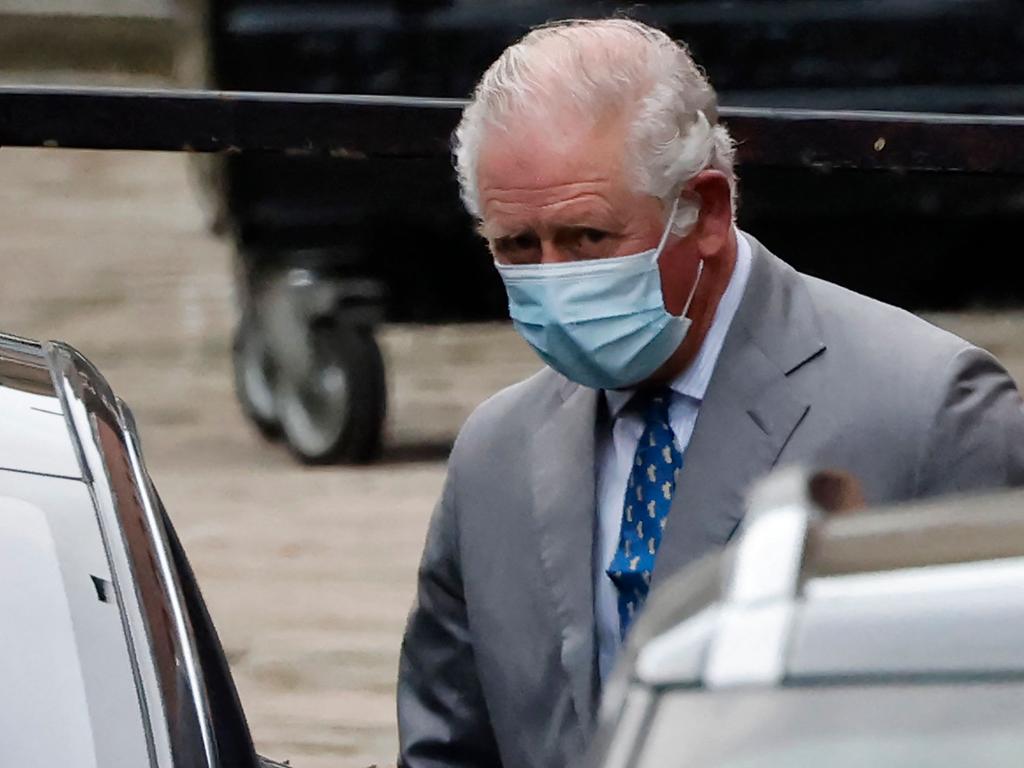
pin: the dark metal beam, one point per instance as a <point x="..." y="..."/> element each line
<point x="379" y="126"/>
<point x="224" y="121"/>
<point x="884" y="141"/>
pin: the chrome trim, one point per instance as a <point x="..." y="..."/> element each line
<point x="749" y="646"/>
<point x="175" y="599"/>
<point x="172" y="692"/>
<point x="11" y="342"/>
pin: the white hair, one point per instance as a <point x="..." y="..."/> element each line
<point x="598" y="67"/>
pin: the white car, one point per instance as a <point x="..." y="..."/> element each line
<point x="108" y="655"/>
<point x="891" y="638"/>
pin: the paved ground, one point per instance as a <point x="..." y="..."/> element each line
<point x="308" y="573"/>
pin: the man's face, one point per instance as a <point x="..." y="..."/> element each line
<point x="560" y="193"/>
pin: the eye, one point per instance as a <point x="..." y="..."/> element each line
<point x="517" y="247"/>
<point x="586" y="242"/>
<point x="525" y="242"/>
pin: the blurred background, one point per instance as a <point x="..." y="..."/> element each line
<point x="266" y="315"/>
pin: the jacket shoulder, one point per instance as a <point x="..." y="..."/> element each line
<point x="853" y="323"/>
<point x="510" y="415"/>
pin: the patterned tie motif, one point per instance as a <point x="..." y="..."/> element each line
<point x="652" y="483"/>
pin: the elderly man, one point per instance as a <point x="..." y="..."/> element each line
<point x="684" y="361"/>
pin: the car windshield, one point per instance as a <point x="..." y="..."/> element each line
<point x="906" y="726"/>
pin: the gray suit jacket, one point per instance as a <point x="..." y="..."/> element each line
<point x="498" y="663"/>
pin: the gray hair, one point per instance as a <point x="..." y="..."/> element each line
<point x="598" y="66"/>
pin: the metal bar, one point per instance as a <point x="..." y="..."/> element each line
<point x="882" y="141"/>
<point x="382" y="126"/>
<point x="223" y="121"/>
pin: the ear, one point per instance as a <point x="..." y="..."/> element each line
<point x="711" y="233"/>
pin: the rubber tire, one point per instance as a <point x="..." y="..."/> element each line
<point x="358" y="435"/>
<point x="243" y="356"/>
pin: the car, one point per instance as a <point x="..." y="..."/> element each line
<point x="391" y="236"/>
<point x="109" y="654"/>
<point x="890" y="637"/>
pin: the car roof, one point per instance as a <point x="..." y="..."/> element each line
<point x="74" y="664"/>
<point x="64" y="431"/>
<point x="34" y="434"/>
<point x="926" y="591"/>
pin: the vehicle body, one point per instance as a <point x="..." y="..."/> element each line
<point x="883" y="638"/>
<point x="398" y="224"/>
<point x="106" y="640"/>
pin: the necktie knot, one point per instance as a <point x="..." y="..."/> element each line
<point x="653" y="404"/>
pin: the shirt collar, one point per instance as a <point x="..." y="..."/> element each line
<point x="693" y="382"/>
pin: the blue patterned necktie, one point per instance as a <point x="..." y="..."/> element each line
<point x="649" y="492"/>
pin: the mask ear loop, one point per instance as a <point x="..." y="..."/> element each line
<point x="693" y="291"/>
<point x="668" y="227"/>
<point x="661" y="247"/>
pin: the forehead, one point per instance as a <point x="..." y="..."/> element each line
<point x="533" y="169"/>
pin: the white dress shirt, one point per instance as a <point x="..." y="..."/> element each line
<point x="616" y="448"/>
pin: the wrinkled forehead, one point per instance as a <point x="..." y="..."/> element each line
<point x="536" y="161"/>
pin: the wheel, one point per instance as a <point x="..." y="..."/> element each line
<point x="336" y="413"/>
<point x="255" y="376"/>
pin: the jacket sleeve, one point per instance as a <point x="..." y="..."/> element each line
<point x="442" y="717"/>
<point x="976" y="439"/>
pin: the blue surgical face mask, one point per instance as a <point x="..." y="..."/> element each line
<point x="600" y="322"/>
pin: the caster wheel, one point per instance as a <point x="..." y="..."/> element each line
<point x="336" y="413"/>
<point x="255" y="376"/>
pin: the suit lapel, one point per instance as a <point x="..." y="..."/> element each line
<point x="753" y="405"/>
<point x="564" y="511"/>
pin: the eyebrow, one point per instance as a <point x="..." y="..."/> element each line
<point x="482" y="230"/>
<point x="495" y="234"/>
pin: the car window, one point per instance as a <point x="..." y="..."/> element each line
<point x="905" y="726"/>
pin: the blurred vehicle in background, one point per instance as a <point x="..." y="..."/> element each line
<point x="330" y="247"/>
<point x="890" y="638"/>
<point x="109" y="655"/>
